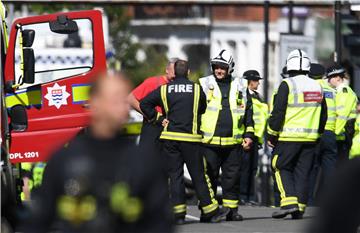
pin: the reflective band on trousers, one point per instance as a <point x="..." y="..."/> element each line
<point x="179" y="208"/>
<point x="289" y="201"/>
<point x="210" y="208"/>
<point x="230" y="203"/>
<point x="302" y="207"/>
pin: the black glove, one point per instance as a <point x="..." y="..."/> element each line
<point x="349" y="131"/>
<point x="273" y="139"/>
<point x="159" y="120"/>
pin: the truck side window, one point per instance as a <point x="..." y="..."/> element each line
<point x="58" y="56"/>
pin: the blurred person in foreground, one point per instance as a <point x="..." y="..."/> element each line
<point x="340" y="205"/>
<point x="97" y="183"/>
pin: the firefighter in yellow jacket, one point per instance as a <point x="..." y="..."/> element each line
<point x="249" y="159"/>
<point x="226" y="125"/>
<point x="346" y="101"/>
<point x="294" y="126"/>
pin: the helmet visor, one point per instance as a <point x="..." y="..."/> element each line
<point x="219" y="65"/>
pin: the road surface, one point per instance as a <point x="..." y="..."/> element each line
<point x="256" y="219"/>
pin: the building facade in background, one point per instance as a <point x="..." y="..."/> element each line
<point x="197" y="33"/>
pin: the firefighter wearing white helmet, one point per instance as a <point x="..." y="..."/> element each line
<point x="227" y="127"/>
<point x="295" y="124"/>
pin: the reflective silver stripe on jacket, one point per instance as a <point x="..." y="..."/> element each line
<point x="304" y="105"/>
<point x="238" y="111"/>
<point x="299" y="130"/>
<point x="212" y="108"/>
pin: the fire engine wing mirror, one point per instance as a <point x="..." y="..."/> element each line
<point x="63" y="25"/>
<point x="29" y="65"/>
<point x="28" y="37"/>
<point x="19" y="119"/>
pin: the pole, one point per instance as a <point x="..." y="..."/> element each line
<point x="265" y="172"/>
<point x="290" y="16"/>
<point x="337" y="55"/>
<point x="266" y="49"/>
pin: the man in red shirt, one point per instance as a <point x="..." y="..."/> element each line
<point x="150" y="132"/>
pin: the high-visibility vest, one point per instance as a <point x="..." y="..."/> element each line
<point x="237" y="100"/>
<point x="272" y="100"/>
<point x="355" y="148"/>
<point x="345" y="109"/>
<point x="37" y="170"/>
<point x="260" y="115"/>
<point x="303" y="111"/>
<point x="330" y="97"/>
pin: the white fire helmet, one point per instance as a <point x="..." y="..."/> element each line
<point x="298" y="60"/>
<point x="223" y="59"/>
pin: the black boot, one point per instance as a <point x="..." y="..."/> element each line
<point x="180" y="220"/>
<point x="297" y="215"/>
<point x="282" y="213"/>
<point x="233" y="215"/>
<point x="215" y="217"/>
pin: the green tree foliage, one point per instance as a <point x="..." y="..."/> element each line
<point x="126" y="49"/>
<point x="195" y="75"/>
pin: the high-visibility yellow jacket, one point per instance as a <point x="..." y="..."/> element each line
<point x="237" y="100"/>
<point x="303" y="110"/>
<point x="260" y="115"/>
<point x="37" y="172"/>
<point x="330" y="97"/>
<point x="346" y="101"/>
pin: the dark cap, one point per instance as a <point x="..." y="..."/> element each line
<point x="317" y="71"/>
<point x="284" y="73"/>
<point x="251" y="75"/>
<point x="335" y="70"/>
